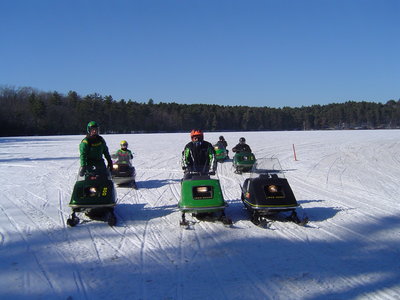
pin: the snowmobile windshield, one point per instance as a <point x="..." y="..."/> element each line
<point x="267" y="165"/>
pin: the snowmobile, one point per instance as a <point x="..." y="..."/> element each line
<point x="267" y="195"/>
<point x="123" y="173"/>
<point x="220" y="153"/>
<point x="202" y="196"/>
<point x="243" y="162"/>
<point x="93" y="194"/>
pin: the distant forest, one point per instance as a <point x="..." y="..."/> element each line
<point x="27" y="111"/>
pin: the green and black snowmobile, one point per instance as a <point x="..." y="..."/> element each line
<point x="94" y="194"/>
<point x="243" y="162"/>
<point x="202" y="196"/>
<point x="220" y="153"/>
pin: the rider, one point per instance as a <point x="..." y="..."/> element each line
<point x="242" y="146"/>
<point x="222" y="144"/>
<point x="124" y="155"/>
<point x="92" y="148"/>
<point x="198" y="155"/>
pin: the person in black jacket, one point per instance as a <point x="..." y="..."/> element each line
<point x="198" y="155"/>
<point x="242" y="146"/>
<point x="222" y="144"/>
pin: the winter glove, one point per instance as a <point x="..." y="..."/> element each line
<point x="82" y="170"/>
<point x="110" y="165"/>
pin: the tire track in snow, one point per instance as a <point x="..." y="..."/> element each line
<point x="60" y="209"/>
<point x="80" y="284"/>
<point x="143" y="289"/>
<point x="255" y="283"/>
<point x="181" y="267"/>
<point x="345" y="229"/>
<point x="35" y="210"/>
<point x="2" y="238"/>
<point x="96" y="250"/>
<point x="343" y="281"/>
<point x="30" y="251"/>
<point x="216" y="282"/>
<point x="117" y="249"/>
<point x="314" y="189"/>
<point x="149" y="240"/>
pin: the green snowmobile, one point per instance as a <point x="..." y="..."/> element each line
<point x="202" y="196"/>
<point x="243" y="162"/>
<point x="94" y="194"/>
<point x="220" y="153"/>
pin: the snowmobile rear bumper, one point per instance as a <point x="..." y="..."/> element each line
<point x="91" y="205"/>
<point x="202" y="209"/>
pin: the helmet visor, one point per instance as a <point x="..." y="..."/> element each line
<point x="93" y="130"/>
<point x="197" y="137"/>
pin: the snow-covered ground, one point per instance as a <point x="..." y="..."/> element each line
<point x="346" y="181"/>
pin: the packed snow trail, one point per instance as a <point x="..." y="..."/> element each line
<point x="346" y="181"/>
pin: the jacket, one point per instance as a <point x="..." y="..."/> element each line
<point x="123" y="156"/>
<point x="241" y="148"/>
<point x="199" y="157"/>
<point x="92" y="150"/>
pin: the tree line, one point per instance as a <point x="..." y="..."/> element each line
<point x="27" y="111"/>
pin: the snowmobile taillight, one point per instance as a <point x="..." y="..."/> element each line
<point x="202" y="192"/>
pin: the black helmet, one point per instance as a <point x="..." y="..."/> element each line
<point x="221" y="138"/>
<point x="242" y="140"/>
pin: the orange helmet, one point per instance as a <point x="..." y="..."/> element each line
<point x="196" y="132"/>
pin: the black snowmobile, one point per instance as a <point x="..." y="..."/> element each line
<point x="268" y="197"/>
<point x="94" y="195"/>
<point x="123" y="173"/>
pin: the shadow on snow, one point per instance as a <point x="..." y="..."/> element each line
<point x="269" y="266"/>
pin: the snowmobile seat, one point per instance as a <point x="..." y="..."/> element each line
<point x="200" y="177"/>
<point x="264" y="176"/>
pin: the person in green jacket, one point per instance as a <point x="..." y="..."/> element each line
<point x="92" y="148"/>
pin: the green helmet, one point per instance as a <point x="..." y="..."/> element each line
<point x="90" y="125"/>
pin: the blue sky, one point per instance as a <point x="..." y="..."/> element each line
<point x="259" y="53"/>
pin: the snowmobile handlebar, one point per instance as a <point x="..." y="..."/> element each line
<point x="199" y="173"/>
